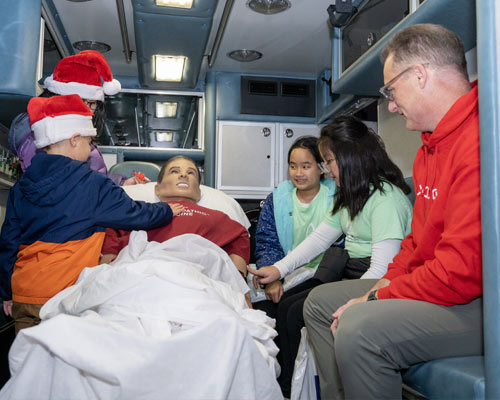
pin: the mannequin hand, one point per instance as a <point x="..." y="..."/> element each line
<point x="274" y="291"/>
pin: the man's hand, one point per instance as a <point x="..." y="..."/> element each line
<point x="274" y="291"/>
<point x="7" y="307"/>
<point x="264" y="275"/>
<point x="176" y="208"/>
<point x="337" y="314"/>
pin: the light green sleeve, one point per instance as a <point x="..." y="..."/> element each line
<point x="333" y="220"/>
<point x="390" y="215"/>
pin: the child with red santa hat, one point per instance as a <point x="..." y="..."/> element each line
<point x="58" y="211"/>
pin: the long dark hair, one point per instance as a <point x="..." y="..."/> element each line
<point x="362" y="162"/>
<point x="308" y="143"/>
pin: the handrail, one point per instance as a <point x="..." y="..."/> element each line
<point x="220" y="32"/>
<point x="123" y="30"/>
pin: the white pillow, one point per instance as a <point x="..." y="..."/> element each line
<point x="210" y="198"/>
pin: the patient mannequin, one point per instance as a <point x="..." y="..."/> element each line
<point x="179" y="182"/>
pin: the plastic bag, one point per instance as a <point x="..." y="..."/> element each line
<point x="305" y="380"/>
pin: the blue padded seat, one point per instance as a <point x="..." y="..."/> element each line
<point x="448" y="378"/>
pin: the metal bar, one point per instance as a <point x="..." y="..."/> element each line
<point x="123" y="29"/>
<point x="137" y="127"/>
<point x="220" y="32"/>
<point x="56" y="29"/>
<point x="188" y="130"/>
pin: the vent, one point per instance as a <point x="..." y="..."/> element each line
<point x="263" y="87"/>
<point x="294" y="89"/>
<point x="278" y="96"/>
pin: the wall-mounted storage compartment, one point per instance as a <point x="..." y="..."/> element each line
<point x="153" y="125"/>
<point x="369" y="25"/>
<point x="285" y="97"/>
<point x="252" y="156"/>
<point x="365" y="76"/>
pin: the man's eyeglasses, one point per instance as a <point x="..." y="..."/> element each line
<point x="386" y="92"/>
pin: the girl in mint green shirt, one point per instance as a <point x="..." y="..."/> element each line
<point x="370" y="207"/>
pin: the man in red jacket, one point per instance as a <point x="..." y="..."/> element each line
<point x="428" y="305"/>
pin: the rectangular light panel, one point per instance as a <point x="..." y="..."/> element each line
<point x="169" y="68"/>
<point x="175" y="3"/>
<point x="166" y="109"/>
<point x="164" y="136"/>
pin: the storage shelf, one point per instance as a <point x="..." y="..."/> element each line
<point x="365" y="76"/>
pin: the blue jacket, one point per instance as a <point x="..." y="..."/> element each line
<point x="274" y="233"/>
<point x="54" y="226"/>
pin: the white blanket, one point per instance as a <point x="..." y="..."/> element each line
<point x="164" y="321"/>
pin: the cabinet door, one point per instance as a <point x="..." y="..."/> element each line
<point x="288" y="134"/>
<point x="246" y="156"/>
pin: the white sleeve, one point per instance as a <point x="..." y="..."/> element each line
<point x="382" y="254"/>
<point x="313" y="245"/>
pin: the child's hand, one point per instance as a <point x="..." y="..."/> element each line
<point x="134" y="180"/>
<point x="176" y="208"/>
<point x="7" y="307"/>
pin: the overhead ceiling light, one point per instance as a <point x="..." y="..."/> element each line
<point x="164" y="136"/>
<point x="91" y="45"/>
<point x="175" y="3"/>
<point x="269" y="6"/>
<point x="244" y="55"/>
<point x="166" y="109"/>
<point x="78" y="1"/>
<point x="169" y="68"/>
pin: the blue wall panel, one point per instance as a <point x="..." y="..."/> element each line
<point x="487" y="56"/>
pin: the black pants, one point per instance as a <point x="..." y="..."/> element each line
<point x="289" y="319"/>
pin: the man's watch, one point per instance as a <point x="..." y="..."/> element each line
<point x="372" y="296"/>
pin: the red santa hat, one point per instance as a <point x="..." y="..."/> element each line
<point x="81" y="74"/>
<point x="57" y="118"/>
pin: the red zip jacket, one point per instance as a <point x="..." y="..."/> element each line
<point x="440" y="260"/>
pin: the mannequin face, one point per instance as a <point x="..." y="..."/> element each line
<point x="181" y="181"/>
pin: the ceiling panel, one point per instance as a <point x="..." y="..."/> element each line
<point x="294" y="42"/>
